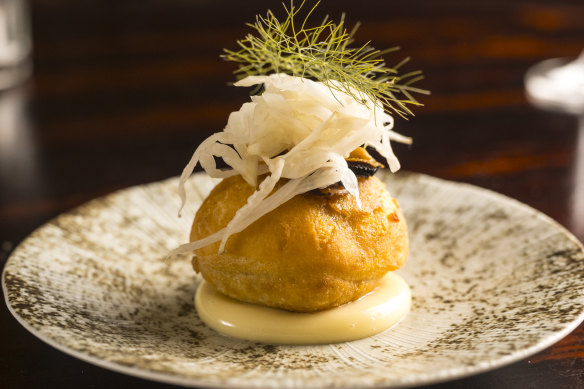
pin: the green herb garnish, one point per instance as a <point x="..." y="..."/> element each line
<point x="321" y="53"/>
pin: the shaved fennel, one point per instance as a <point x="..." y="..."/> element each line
<point x="297" y="129"/>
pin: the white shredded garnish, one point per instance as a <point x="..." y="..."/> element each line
<point x="296" y="129"/>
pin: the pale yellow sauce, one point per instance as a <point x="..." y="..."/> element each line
<point x="371" y="314"/>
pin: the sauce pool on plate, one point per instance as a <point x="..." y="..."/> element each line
<point x="373" y="313"/>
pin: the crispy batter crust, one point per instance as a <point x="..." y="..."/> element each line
<point x="311" y="253"/>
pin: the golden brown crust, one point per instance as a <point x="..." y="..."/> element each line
<point x="311" y="253"/>
<point x="360" y="154"/>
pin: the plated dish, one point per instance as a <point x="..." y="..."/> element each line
<point x="492" y="280"/>
<point x="299" y="228"/>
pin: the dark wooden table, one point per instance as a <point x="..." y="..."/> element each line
<point x="123" y="91"/>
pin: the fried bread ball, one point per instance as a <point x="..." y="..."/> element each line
<point x="313" y="252"/>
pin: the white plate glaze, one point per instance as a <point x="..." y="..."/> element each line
<point x="493" y="281"/>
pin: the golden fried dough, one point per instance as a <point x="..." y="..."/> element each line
<point x="311" y="253"/>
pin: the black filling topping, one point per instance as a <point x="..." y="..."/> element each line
<point x="361" y="169"/>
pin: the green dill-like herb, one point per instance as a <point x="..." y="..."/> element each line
<point x="322" y="53"/>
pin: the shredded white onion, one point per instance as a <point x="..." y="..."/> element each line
<point x="296" y="129"/>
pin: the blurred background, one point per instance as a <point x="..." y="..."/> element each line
<point x="122" y="92"/>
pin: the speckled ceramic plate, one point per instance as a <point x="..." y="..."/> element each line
<point x="493" y="281"/>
